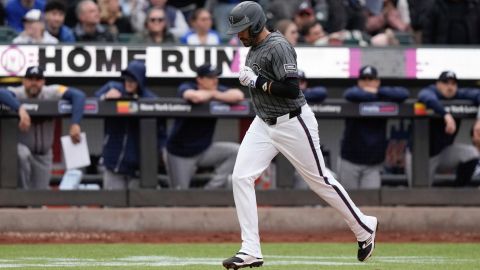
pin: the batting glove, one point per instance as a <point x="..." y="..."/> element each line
<point x="247" y="77"/>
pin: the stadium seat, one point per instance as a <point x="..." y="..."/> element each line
<point x="7" y="34"/>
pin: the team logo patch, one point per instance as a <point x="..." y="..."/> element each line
<point x="290" y="68"/>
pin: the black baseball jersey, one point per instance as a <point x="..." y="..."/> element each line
<point x="274" y="59"/>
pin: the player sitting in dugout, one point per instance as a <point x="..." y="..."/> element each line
<point x="36" y="138"/>
<point x="121" y="152"/>
<point x="445" y="155"/>
<point x="364" y="140"/>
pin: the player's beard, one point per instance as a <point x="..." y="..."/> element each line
<point x="247" y="42"/>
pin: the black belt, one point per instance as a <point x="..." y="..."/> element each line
<point x="272" y="121"/>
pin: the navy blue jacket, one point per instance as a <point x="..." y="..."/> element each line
<point x="365" y="140"/>
<point x="191" y="136"/>
<point x="121" y="143"/>
<point x="432" y="99"/>
<point x="315" y="94"/>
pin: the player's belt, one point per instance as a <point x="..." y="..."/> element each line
<point x="273" y="121"/>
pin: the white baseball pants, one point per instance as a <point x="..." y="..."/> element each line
<point x="297" y="139"/>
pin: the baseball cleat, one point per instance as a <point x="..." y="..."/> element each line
<point x="241" y="260"/>
<point x="365" y="248"/>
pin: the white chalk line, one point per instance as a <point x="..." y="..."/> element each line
<point x="159" y="261"/>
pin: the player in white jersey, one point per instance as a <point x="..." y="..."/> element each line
<point x="285" y="124"/>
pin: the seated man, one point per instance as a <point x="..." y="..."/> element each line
<point x="190" y="145"/>
<point x="364" y="141"/>
<point x="35" y="143"/>
<point x="121" y="145"/>
<point x="444" y="153"/>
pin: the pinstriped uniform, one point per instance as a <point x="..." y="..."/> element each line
<point x="274" y="59"/>
<point x="295" y="136"/>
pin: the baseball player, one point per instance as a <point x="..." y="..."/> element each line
<point x="283" y="123"/>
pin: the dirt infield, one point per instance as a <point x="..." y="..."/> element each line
<point x="221" y="237"/>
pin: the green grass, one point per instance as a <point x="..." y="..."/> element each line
<point x="297" y="256"/>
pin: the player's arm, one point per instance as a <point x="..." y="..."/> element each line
<point x="228" y="95"/>
<point x="315" y="94"/>
<point x="288" y="88"/>
<point x="77" y="98"/>
<point x="188" y="92"/>
<point x="9" y="99"/>
<point x="395" y="94"/>
<point x="356" y="94"/>
<point x="429" y="98"/>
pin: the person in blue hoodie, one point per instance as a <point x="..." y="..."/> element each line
<point x="364" y="139"/>
<point x="445" y="155"/>
<point x="121" y="143"/>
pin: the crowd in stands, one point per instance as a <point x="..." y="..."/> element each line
<point x="306" y="22"/>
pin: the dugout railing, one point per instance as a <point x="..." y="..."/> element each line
<point x="283" y="195"/>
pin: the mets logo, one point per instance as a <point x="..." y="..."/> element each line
<point x="13" y="60"/>
<point x="256" y="68"/>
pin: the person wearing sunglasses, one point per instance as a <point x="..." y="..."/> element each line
<point x="156" y="29"/>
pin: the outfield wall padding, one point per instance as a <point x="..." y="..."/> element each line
<point x="274" y="219"/>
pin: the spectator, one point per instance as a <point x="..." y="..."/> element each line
<point x="382" y="15"/>
<point x="35" y="143"/>
<point x="88" y="28"/>
<point x="313" y="34"/>
<point x="444" y="153"/>
<point x="304" y="16"/>
<point x="175" y="19"/>
<point x="190" y="145"/>
<point x="34" y="32"/>
<point x="417" y="10"/>
<point x="289" y="30"/>
<point x="121" y="147"/>
<point x="111" y="16"/>
<point x="220" y="9"/>
<point x="345" y="15"/>
<point x="314" y="94"/>
<point x="452" y="22"/>
<point x="156" y="29"/>
<point x="364" y="141"/>
<point x="54" y="21"/>
<point x="2" y="13"/>
<point x="16" y="10"/>
<point x="201" y="32"/>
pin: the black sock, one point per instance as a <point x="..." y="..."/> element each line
<point x="465" y="171"/>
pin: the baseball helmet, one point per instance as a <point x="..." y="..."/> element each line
<point x="244" y="15"/>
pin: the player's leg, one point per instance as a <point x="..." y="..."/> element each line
<point x="349" y="173"/>
<point x="461" y="157"/>
<point x="254" y="156"/>
<point x="41" y="170"/>
<point x="298" y="140"/>
<point x="114" y="181"/>
<point x="371" y="178"/>
<point x="24" y="157"/>
<point x="221" y="156"/>
<point x="180" y="170"/>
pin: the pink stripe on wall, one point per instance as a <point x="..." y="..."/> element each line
<point x="355" y="62"/>
<point x="235" y="66"/>
<point x="411" y="63"/>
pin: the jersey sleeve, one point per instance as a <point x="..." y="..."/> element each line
<point x="284" y="61"/>
<point x="184" y="87"/>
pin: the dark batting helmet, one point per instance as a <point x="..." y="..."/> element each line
<point x="244" y="15"/>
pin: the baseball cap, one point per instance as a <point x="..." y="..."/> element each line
<point x="448" y="75"/>
<point x="34" y="72"/>
<point x="305" y="8"/>
<point x="207" y="70"/>
<point x="368" y="72"/>
<point x="374" y="6"/>
<point x="33" y="15"/>
<point x="301" y="75"/>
